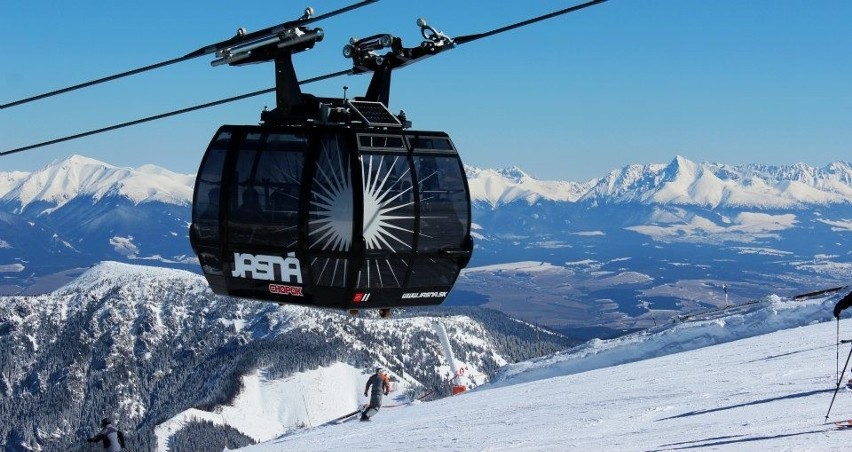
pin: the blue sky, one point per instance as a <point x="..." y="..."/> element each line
<point x="627" y="81"/>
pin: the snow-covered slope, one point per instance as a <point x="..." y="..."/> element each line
<point x="758" y="380"/>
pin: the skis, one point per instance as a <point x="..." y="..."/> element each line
<point x="347" y="417"/>
<point x="843" y="425"/>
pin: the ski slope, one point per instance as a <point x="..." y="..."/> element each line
<point x="760" y="379"/>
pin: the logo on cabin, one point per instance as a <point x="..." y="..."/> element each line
<point x="268" y="268"/>
<point x="424" y="295"/>
<point x="295" y="291"/>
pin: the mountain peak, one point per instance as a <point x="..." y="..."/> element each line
<point x="712" y="185"/>
<point x="75" y="176"/>
<point x="681" y="165"/>
<point x="76" y="160"/>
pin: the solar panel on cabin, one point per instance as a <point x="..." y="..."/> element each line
<point x="374" y="113"/>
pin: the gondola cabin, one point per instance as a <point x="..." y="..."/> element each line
<point x="344" y="217"/>
<point x="332" y="202"/>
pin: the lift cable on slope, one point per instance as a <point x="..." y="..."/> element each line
<point x="241" y="46"/>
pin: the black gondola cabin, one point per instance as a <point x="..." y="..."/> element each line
<point x="332" y="202"/>
<point x="330" y="216"/>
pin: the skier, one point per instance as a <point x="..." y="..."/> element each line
<point x="844" y="303"/>
<point x="379" y="382"/>
<point x="112" y="438"/>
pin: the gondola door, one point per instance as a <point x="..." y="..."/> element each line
<point x="332" y="215"/>
<point x="389" y="223"/>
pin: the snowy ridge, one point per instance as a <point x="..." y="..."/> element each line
<point x="10" y="180"/>
<point x="497" y="187"/>
<point x="714" y="185"/>
<point x="64" y="180"/>
<point x="769" y="315"/>
<point x="680" y="182"/>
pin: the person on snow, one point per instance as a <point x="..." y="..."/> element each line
<point x="844" y="303"/>
<point x="112" y="438"/>
<point x="380" y="386"/>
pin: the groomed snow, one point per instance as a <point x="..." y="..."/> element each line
<point x="756" y="381"/>
<point x="266" y="407"/>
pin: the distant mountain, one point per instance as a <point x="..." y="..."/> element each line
<point x="681" y="182"/>
<point x="498" y="187"/>
<point x="715" y="186"/>
<point x="636" y="246"/>
<point x="78" y="211"/>
<point x="144" y="344"/>
<point x="77" y="177"/>
<point x="646" y="243"/>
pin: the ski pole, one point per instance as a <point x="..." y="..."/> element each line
<point x="838" y="385"/>
<point x="837" y="353"/>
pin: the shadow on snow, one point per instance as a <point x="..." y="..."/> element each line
<point x="756" y="402"/>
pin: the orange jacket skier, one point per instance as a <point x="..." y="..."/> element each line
<point x="380" y="386"/>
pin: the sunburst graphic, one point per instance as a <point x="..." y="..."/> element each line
<point x="330" y="226"/>
<point x="387" y="196"/>
<point x="388" y="218"/>
<point x="388" y="215"/>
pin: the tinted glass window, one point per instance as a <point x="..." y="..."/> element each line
<point x="205" y="206"/>
<point x="389" y="219"/>
<point x="431" y="272"/>
<point x="381" y="141"/>
<point x="264" y="199"/>
<point x="444" y="212"/>
<point x="383" y="273"/>
<point x="388" y="202"/>
<point x="423" y="143"/>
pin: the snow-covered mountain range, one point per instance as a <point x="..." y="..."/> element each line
<point x="680" y="182"/>
<point x="616" y="252"/>
<point x="76" y="177"/>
